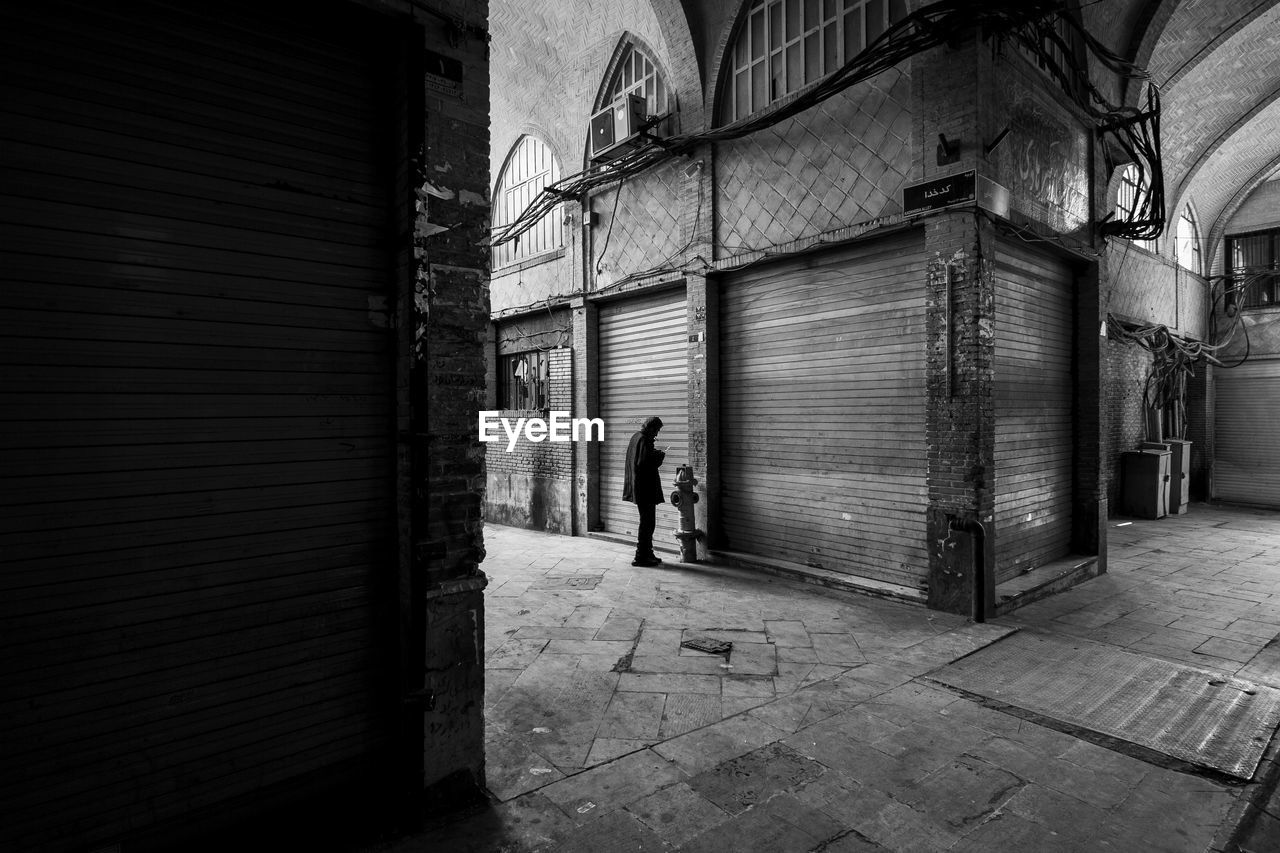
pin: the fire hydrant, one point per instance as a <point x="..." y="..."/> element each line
<point x="683" y="499"/>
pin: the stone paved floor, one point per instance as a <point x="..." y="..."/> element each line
<point x="820" y="733"/>
<point x="1201" y="588"/>
<point x="585" y="663"/>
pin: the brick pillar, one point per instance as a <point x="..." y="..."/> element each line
<point x="586" y="404"/>
<point x="960" y="416"/>
<point x="703" y="310"/>
<point x="443" y="684"/>
<point x="1089" y="492"/>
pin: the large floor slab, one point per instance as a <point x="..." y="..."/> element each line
<point x="1196" y="715"/>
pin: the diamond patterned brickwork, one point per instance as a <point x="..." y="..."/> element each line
<point x="647" y="231"/>
<point x="840" y="162"/>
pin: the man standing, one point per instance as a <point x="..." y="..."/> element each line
<point x="642" y="486"/>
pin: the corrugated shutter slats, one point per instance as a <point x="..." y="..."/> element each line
<point x="199" y="462"/>
<point x="1246" y="465"/>
<point x="1034" y="397"/>
<point x="643" y="371"/>
<point x="822" y="410"/>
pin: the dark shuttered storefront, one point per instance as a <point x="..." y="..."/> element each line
<point x="823" y="412"/>
<point x="643" y="371"/>
<point x="199" y="518"/>
<point x="1034" y="406"/>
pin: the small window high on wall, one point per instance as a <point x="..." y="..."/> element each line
<point x="635" y="73"/>
<point x="784" y="45"/>
<point x="1188" y="242"/>
<point x="1062" y="50"/>
<point x="529" y="168"/>
<point x="1254" y="269"/>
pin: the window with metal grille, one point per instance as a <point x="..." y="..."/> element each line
<point x="1062" y="50"/>
<point x="784" y="45"/>
<point x="523" y="381"/>
<point x="634" y="73"/>
<point x="1254" y="274"/>
<point x="529" y="168"/>
<point x="1188" y="241"/>
<point x="1131" y="199"/>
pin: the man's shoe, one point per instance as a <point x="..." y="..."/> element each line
<point x="646" y="561"/>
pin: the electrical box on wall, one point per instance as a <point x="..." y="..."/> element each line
<point x="616" y="127"/>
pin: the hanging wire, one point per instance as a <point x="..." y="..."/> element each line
<point x="1226" y="293"/>
<point x="1172" y="360"/>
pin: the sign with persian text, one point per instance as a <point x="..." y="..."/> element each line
<point x="939" y="192"/>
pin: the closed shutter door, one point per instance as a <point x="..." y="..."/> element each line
<point x="198" y="446"/>
<point x="643" y="372"/>
<point x="822" y="410"/>
<point x="1034" y="400"/>
<point x="1246" y="465"/>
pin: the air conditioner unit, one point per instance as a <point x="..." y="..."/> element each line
<point x="616" y="127"/>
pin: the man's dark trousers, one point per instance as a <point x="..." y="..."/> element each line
<point x="644" y="536"/>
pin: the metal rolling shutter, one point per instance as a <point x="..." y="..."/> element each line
<point x="643" y="371"/>
<point x="198" y="437"/>
<point x="823" y="413"/>
<point x="1034" y="405"/>
<point x="1246" y="465"/>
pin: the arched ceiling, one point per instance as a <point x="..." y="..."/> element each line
<point x="1217" y="64"/>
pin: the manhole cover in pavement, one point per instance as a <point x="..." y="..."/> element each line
<point x="1196" y="715"/>
<point x="710" y="645"/>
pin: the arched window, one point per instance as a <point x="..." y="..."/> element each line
<point x="634" y="73"/>
<point x="529" y="168"/>
<point x="784" y="45"/>
<point x="1131" y="198"/>
<point x="1188" y="242"/>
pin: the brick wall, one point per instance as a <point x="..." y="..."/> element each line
<point x="960" y="408"/>
<point x="1147" y="288"/>
<point x="531" y="485"/>
<point x="1150" y="289"/>
<point x="1125" y="368"/>
<point x="450" y="311"/>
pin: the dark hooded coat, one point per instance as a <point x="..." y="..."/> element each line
<point x="641" y="482"/>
